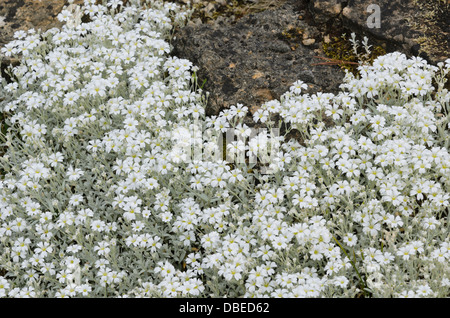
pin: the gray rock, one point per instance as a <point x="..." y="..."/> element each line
<point x="415" y="27"/>
<point x="257" y="58"/>
<point x="326" y="10"/>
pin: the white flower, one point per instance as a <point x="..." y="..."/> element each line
<point x="298" y="86"/>
<point x="350" y="239"/>
<point x="76" y="199"/>
<point x="74" y="173"/>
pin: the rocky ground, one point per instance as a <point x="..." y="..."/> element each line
<point x="257" y="57"/>
<point x="251" y="51"/>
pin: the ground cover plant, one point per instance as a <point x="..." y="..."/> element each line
<point x="115" y="183"/>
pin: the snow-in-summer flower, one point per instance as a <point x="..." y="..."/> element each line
<point x="114" y="181"/>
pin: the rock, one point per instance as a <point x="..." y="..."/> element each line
<point x="325" y="10"/>
<point x="411" y="26"/>
<point x="257" y="58"/>
<point x="308" y="42"/>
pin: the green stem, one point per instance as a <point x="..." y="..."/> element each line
<point x="363" y="283"/>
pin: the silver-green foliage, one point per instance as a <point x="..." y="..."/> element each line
<point x="114" y="184"/>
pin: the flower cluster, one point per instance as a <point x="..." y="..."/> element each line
<point x="116" y="184"/>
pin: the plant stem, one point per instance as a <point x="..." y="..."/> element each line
<point x="363" y="283"/>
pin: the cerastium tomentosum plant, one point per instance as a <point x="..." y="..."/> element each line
<point x="115" y="183"/>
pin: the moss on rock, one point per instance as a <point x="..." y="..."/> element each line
<point x="341" y="50"/>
